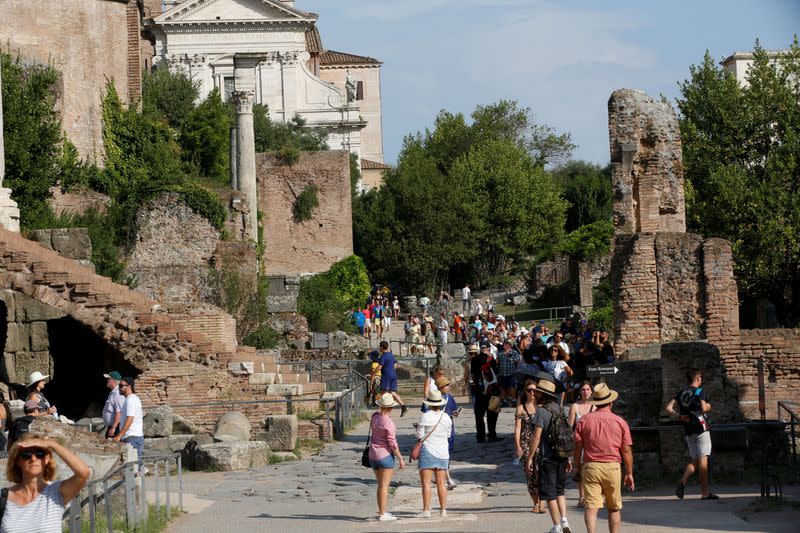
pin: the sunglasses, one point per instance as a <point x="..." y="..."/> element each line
<point x="27" y="454"/>
<point x="123" y="385"/>
<point x="530" y="390"/>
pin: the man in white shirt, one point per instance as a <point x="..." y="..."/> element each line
<point x="112" y="410"/>
<point x="443" y="328"/>
<point x="465" y="298"/>
<point x="132" y="431"/>
<point x="558" y="338"/>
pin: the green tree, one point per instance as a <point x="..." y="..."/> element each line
<point x="272" y="136"/>
<point x="741" y="150"/>
<point x="326" y="298"/>
<point x="205" y="138"/>
<point x="587" y="188"/>
<point x="168" y="96"/>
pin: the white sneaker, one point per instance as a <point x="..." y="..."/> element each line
<point x="424" y="514"/>
<point x="555" y="529"/>
<point x="443" y="513"/>
<point x="387" y="517"/>
<point x="565" y="526"/>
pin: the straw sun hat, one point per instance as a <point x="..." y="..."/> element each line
<point x="602" y="395"/>
<point x="434" y="399"/>
<point x="386" y="400"/>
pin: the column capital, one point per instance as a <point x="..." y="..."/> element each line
<point x="243" y="101"/>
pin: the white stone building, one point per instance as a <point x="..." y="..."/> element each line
<point x="200" y="37"/>
<point x="739" y="63"/>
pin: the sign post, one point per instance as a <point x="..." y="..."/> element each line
<point x="594" y="371"/>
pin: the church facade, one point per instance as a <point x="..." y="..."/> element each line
<point x="334" y="91"/>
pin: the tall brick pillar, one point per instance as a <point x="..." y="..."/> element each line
<point x="244" y="66"/>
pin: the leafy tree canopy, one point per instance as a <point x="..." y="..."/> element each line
<point x="741" y="151"/>
<point x="587" y="188"/>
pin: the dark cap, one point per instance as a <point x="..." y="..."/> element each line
<point x="113" y="375"/>
<point x="129" y="380"/>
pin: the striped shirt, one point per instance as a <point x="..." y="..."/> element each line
<point x="42" y="515"/>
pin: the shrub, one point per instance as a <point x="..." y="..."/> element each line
<point x="589" y="242"/>
<point x="205" y="138"/>
<point x="326" y="298"/>
<point x="262" y="338"/>
<point x="305" y="203"/>
<point x="168" y="96"/>
<point x="288" y="154"/>
<point x="204" y="203"/>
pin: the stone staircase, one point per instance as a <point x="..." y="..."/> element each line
<point x="119" y="314"/>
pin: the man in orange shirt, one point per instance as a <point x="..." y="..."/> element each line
<point x="602" y="441"/>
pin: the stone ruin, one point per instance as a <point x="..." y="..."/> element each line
<point x="674" y="293"/>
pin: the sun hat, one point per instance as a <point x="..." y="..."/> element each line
<point x="501" y="317"/>
<point x="36" y="377"/>
<point x="602" y="395"/>
<point x="524" y="331"/>
<point x="473" y="348"/>
<point x="460" y="315"/>
<point x="442" y="382"/>
<point x="113" y="375"/>
<point x="434" y="399"/>
<point x="546" y="387"/>
<point x="386" y="400"/>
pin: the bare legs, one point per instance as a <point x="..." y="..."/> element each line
<point x="425" y="477"/>
<point x="701" y="467"/>
<point x="558" y="509"/>
<point x="590" y="519"/>
<point x="384" y="477"/>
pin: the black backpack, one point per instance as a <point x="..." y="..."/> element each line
<point x="559" y="435"/>
<point x="20" y="426"/>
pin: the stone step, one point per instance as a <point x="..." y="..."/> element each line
<point x="292" y="378"/>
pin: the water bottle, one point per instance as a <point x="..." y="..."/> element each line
<point x="515" y="461"/>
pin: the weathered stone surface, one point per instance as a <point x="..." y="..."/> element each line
<point x="281" y="432"/>
<point x="229" y="456"/>
<point x="18" y="337"/>
<point x="188" y="453"/>
<point x="78" y="201"/>
<point x="241" y="367"/>
<point x="282" y="294"/>
<point x="285" y="390"/>
<point x="158" y="422"/>
<point x="262" y="378"/>
<point x="233" y="424"/>
<point x="181" y="426"/>
<point x="339" y="340"/>
<point x="93" y="425"/>
<point x="39" y="339"/>
<point x="173" y="444"/>
<point x="20" y="365"/>
<point x="291" y="326"/>
<point x="73" y="243"/>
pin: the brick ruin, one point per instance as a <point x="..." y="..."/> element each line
<point x="675" y="294"/>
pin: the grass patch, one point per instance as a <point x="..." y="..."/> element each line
<point x="156" y="522"/>
<point x="308" y="447"/>
<point x="309" y="414"/>
<point x="274" y="459"/>
<point x="526" y="313"/>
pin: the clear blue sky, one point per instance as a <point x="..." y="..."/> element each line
<point x="560" y="58"/>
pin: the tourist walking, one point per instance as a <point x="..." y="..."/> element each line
<point x="508" y="362"/>
<point x="34" y="503"/>
<point x="36" y="384"/>
<point x="383" y="452"/>
<point x="523" y="430"/>
<point x="386" y="367"/>
<point x="433" y="430"/>
<point x="602" y="441"/>
<point x="443" y="328"/>
<point x="396" y="308"/>
<point x="112" y="410"/>
<point x="552" y="468"/>
<point x="692" y="406"/>
<point x="453" y="410"/>
<point x="582" y="406"/>
<point x="466" y="298"/>
<point x="132" y="431"/>
<point x="483" y="369"/>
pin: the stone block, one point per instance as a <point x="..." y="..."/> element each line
<point x="30" y="310"/>
<point x="18" y="337"/>
<point x="158" y="422"/>
<point x="241" y="367"/>
<point x="94" y="425"/>
<point x="25" y="363"/>
<point x="234" y="424"/>
<point x="39" y="338"/>
<point x="230" y="456"/>
<point x="195" y="442"/>
<point x="294" y="389"/>
<point x="181" y="426"/>
<point x="7" y="298"/>
<point x="72" y="242"/>
<point x="262" y="378"/>
<point x="281" y="432"/>
<point x="173" y="444"/>
<point x="282" y="294"/>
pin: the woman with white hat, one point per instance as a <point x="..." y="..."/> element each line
<point x="36" y="382"/>
<point x="383" y="450"/>
<point x="433" y="430"/>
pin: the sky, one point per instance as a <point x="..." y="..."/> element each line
<point x="562" y="59"/>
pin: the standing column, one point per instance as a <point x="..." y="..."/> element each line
<point x="244" y="75"/>
<point x="9" y="210"/>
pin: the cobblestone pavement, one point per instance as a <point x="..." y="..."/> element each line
<point x="332" y="492"/>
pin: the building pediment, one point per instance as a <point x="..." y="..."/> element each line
<point x="224" y="11"/>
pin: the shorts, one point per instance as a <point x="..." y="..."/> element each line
<point x="699" y="445"/>
<point x="552" y="478"/>
<point x="367" y="323"/>
<point x="602" y="482"/>
<point x="377" y="321"/>
<point x="389" y="385"/>
<point x="387" y="462"/>
<point x="507" y="381"/>
<point x="428" y="461"/>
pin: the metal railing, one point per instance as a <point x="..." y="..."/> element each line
<point x="794" y="418"/>
<point x="124" y="477"/>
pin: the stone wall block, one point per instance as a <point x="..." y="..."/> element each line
<point x="25" y="363"/>
<point x="18" y="337"/>
<point x="39" y="338"/>
<point x="281" y="432"/>
<point x="233" y="424"/>
<point x="158" y="422"/>
<point x="7" y="298"/>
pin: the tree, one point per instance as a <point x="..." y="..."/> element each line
<point x="587" y="188"/>
<point x="272" y="136"/>
<point x="168" y="96"/>
<point x="205" y="138"/>
<point x="741" y="150"/>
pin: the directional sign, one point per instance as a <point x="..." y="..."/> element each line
<point x="601" y="370"/>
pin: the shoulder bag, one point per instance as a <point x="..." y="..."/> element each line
<point x="417" y="449"/>
<point x="365" y="453"/>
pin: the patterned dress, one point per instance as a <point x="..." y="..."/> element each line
<point x="532" y="475"/>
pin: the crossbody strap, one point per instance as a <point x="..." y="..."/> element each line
<point x="369" y="431"/>
<point x="433" y="428"/>
<point x="3" y="500"/>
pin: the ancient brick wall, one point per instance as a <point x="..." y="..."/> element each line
<point x="88" y="42"/>
<point x="77" y="202"/>
<point x="635" y="287"/>
<point x="313" y="245"/>
<point x="679" y="274"/>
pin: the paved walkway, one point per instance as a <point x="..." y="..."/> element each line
<point x="332" y="492"/>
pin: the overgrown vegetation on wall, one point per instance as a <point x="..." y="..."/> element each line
<point x="305" y="203"/>
<point x="326" y="299"/>
<point x="245" y="298"/>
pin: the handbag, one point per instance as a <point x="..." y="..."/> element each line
<point x="417" y="449"/>
<point x="365" y="453"/>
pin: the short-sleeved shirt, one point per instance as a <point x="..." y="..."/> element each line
<point x="42" y="515"/>
<point x="383" y="440"/>
<point x="436" y="444"/>
<point x="387" y="362"/>
<point x="359" y="318"/>
<point x="508" y="362"/>
<point x="688" y="402"/>
<point x="113" y="405"/>
<point x="542" y="419"/>
<point x="133" y="409"/>
<point x="465" y="292"/>
<point x="602" y="434"/>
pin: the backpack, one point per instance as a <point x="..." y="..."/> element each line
<point x="559" y="435"/>
<point x="489" y="379"/>
<point x="20" y="426"/>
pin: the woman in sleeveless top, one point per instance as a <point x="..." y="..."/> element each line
<point x="578" y="409"/>
<point x="36" y="382"/>
<point x="523" y="429"/>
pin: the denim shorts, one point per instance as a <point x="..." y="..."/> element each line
<point x="386" y="462"/>
<point x="428" y="461"/>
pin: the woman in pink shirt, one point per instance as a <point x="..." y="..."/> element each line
<point x="382" y="451"/>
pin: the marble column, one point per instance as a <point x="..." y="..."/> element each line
<point x="244" y="73"/>
<point x="9" y="210"/>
